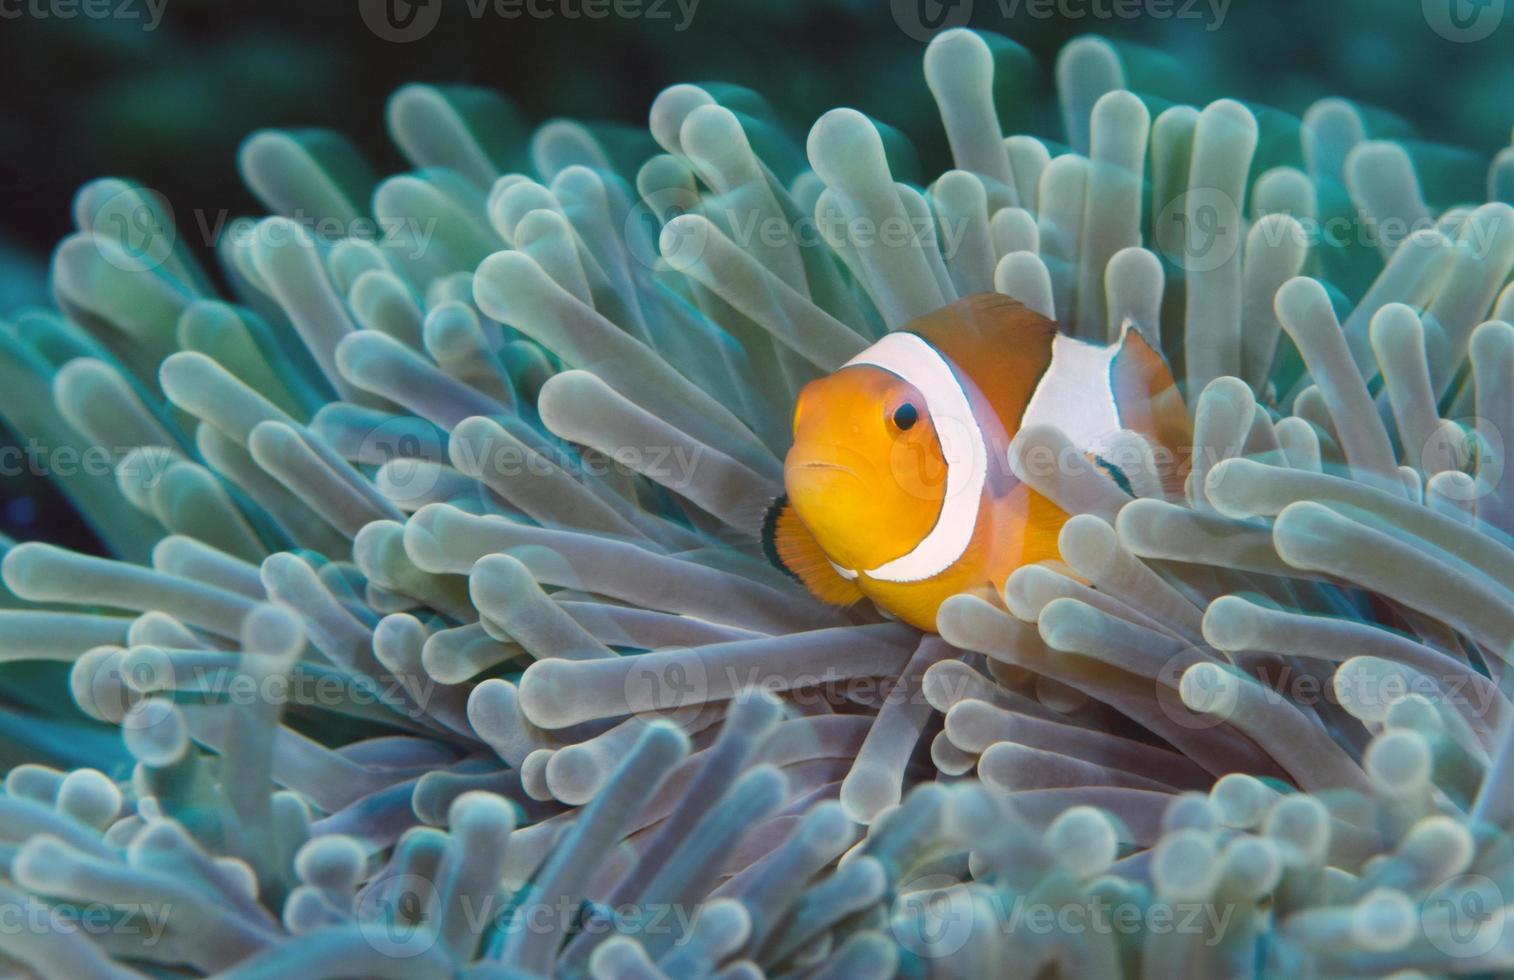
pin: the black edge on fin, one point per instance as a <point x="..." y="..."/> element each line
<point x="1115" y="473"/>
<point x="770" y="535"/>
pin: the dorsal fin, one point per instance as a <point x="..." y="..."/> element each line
<point x="1001" y="345"/>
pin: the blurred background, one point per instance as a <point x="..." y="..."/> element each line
<point x="164" y="91"/>
<point x="168" y="100"/>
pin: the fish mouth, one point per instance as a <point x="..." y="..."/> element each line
<point x="810" y="470"/>
<point x="825" y="471"/>
<point x="827" y="460"/>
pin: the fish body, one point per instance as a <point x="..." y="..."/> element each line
<point x="898" y="484"/>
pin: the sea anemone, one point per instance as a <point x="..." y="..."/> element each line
<point x="441" y="640"/>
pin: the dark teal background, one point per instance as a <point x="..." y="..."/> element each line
<point x="169" y="107"/>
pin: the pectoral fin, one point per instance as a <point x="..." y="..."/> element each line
<point x="790" y="546"/>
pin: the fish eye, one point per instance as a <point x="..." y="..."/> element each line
<point x="906" y="415"/>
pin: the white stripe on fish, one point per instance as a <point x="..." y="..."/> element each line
<point x="962" y="446"/>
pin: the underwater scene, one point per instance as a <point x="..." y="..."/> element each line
<point x="505" y="489"/>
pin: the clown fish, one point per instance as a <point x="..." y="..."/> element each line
<point x="898" y="487"/>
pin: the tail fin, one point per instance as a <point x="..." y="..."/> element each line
<point x="1149" y="403"/>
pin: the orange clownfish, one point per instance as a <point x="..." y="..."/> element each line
<point x="898" y="485"/>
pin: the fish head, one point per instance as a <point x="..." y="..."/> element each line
<point x="866" y="473"/>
